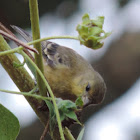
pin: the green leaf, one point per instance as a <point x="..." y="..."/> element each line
<point x="85" y="19"/>
<point x="99" y="21"/>
<point x="67" y="110"/>
<point x="68" y="134"/>
<point x="52" y="116"/>
<point x="62" y="116"/>
<point x="9" y="124"/>
<point x="80" y="136"/>
<point x="91" y="33"/>
<point x="65" y="105"/>
<point x="50" y="106"/>
<point x="79" y="102"/>
<point x="71" y="115"/>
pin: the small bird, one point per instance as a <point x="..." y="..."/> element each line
<point x="69" y="74"/>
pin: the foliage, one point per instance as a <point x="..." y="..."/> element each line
<point x="79" y="102"/>
<point x="90" y="32"/>
<point x="9" y="124"/>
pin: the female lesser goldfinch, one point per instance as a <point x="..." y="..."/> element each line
<point x="69" y="74"/>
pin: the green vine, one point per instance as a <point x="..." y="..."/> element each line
<point x="34" y="16"/>
<point x="30" y="94"/>
<point x="52" y="37"/>
<point x="11" y="51"/>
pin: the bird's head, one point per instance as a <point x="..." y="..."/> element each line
<point x="90" y="86"/>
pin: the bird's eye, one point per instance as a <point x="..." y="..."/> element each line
<point x="88" y="87"/>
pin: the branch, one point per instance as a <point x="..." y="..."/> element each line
<point x="21" y="78"/>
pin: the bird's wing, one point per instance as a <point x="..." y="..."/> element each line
<point x="53" y="53"/>
<point x="56" y="55"/>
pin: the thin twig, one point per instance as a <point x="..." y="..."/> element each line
<point x="3" y="28"/>
<point x="45" y="131"/>
<point x="18" y="41"/>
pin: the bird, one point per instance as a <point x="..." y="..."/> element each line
<point x="69" y="75"/>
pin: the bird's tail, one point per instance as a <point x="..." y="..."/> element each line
<point x="28" y="37"/>
<point x="23" y="33"/>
